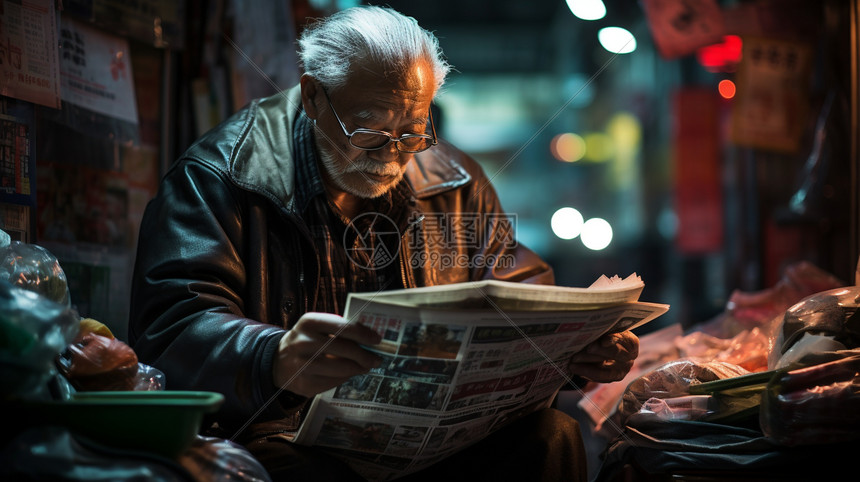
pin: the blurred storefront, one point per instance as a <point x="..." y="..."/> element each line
<point x="719" y="151"/>
<point x="715" y="154"/>
<point x="713" y="150"/>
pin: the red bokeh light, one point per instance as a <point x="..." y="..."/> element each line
<point x="727" y="89"/>
<point x="722" y="56"/>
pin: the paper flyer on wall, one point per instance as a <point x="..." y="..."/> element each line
<point x="455" y="370"/>
<point x="29" y="67"/>
<point x="95" y="71"/>
<point x="774" y="83"/>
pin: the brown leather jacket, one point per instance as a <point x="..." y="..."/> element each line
<point x="224" y="265"/>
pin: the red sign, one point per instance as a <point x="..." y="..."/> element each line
<point x="696" y="161"/>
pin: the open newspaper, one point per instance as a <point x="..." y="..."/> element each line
<point x="461" y="361"/>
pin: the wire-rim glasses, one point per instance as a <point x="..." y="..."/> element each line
<point x="372" y="139"/>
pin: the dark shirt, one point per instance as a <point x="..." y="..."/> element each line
<point x="357" y="255"/>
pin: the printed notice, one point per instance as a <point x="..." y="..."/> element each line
<point x="28" y="52"/>
<point x="771" y="106"/>
<point x="95" y="71"/>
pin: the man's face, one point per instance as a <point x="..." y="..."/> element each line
<point x="394" y="104"/>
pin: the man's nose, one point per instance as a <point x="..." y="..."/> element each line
<point x="389" y="153"/>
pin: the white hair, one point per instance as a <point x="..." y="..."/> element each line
<point x="382" y="36"/>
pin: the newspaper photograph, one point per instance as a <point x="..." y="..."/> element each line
<point x="452" y="375"/>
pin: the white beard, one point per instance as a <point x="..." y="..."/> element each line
<point x="349" y="177"/>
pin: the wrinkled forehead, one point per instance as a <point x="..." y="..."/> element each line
<point x="415" y="82"/>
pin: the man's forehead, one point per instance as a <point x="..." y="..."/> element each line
<point x="413" y="82"/>
<point x="373" y="96"/>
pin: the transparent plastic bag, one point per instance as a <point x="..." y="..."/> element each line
<point x="33" y="331"/>
<point x="211" y="458"/>
<point x="799" y="280"/>
<point x="34" y="268"/>
<point x="149" y="378"/>
<point x="690" y="407"/>
<point x="673" y="380"/>
<point x="818" y="404"/>
<point x="763" y="309"/>
<point x="749" y="348"/>
<point x="99" y="363"/>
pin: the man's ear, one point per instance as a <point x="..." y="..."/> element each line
<point x="310" y="89"/>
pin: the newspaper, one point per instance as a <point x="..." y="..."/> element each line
<point x="461" y="361"/>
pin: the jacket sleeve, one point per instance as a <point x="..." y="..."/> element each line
<point x="188" y="284"/>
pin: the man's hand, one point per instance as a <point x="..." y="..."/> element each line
<point x="607" y="359"/>
<point x="322" y="351"/>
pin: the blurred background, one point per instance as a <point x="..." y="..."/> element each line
<point x="705" y="146"/>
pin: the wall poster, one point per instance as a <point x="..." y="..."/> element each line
<point x="28" y="52"/>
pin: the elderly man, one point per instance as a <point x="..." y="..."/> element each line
<point x="244" y="260"/>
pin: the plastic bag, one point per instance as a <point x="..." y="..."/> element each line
<point x="808" y="347"/>
<point x="149" y="378"/>
<point x="100" y="363"/>
<point x="691" y="407"/>
<point x="33" y="331"/>
<point x="746" y="310"/>
<point x="34" y="268"/>
<point x="211" y="458"/>
<point x="814" y="405"/>
<point x="798" y="281"/>
<point x="832" y="313"/>
<point x="673" y="380"/>
<point x="749" y="349"/>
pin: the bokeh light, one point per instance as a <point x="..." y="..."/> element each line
<point x="587" y="9"/>
<point x="727" y="89"/>
<point x="625" y="129"/>
<point x="598" y="147"/>
<point x="617" y="40"/>
<point x="596" y="234"/>
<point x="567" y="147"/>
<point x="566" y="223"/>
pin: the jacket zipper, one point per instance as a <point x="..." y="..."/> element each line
<point x="408" y="281"/>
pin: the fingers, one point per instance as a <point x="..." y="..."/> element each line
<point x="615" y="346"/>
<point x="608" y="359"/>
<point x="331" y="324"/>
<point x="322" y="351"/>
<point x="629" y="342"/>
<point x="332" y="335"/>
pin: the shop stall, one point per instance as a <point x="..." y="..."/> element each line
<point x="762" y="167"/>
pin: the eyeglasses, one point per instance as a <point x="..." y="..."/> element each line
<point x="372" y="139"/>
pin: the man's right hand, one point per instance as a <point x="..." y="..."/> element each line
<point x="322" y="351"/>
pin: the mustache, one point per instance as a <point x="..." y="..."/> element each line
<point x="373" y="167"/>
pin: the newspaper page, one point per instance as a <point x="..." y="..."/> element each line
<point x="508" y="295"/>
<point x="452" y="375"/>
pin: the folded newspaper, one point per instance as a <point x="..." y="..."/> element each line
<point x="461" y="361"/>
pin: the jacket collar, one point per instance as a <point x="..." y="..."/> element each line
<point x="435" y="170"/>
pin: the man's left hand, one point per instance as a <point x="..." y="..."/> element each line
<point x="607" y="359"/>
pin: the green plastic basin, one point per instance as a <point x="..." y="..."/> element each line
<point x="163" y="422"/>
